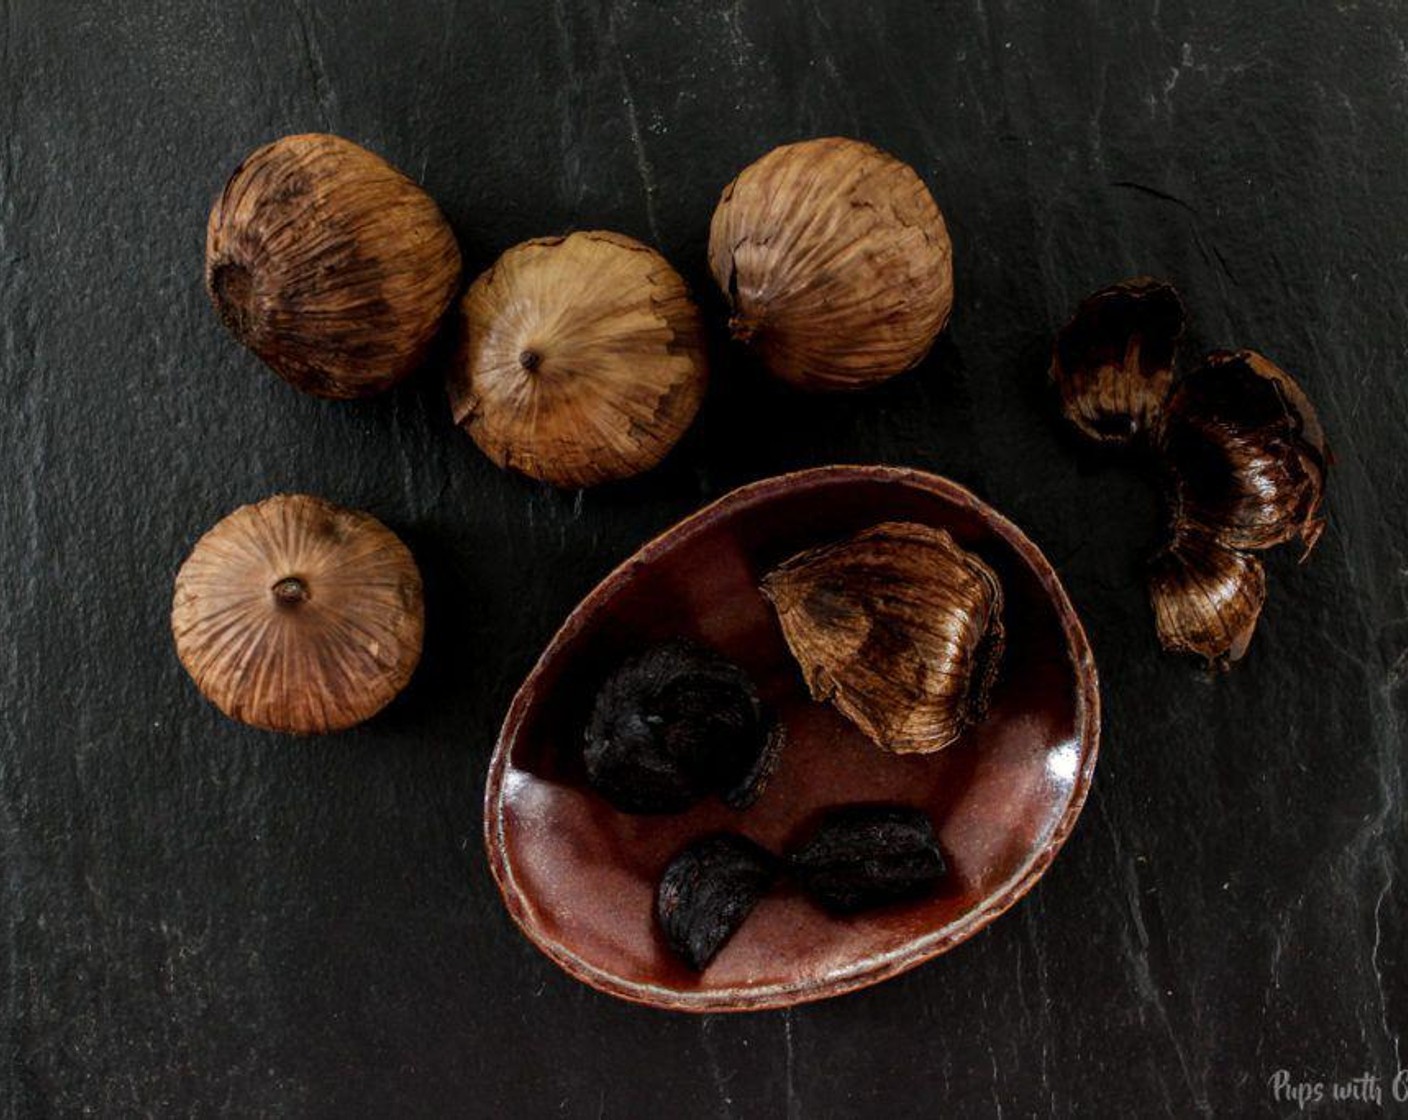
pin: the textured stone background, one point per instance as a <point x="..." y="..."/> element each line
<point x="203" y="920"/>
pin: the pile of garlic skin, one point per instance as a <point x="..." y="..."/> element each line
<point x="1241" y="454"/>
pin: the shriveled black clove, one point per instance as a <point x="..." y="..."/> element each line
<point x="676" y="724"/>
<point x="708" y="891"/>
<point x="868" y="855"/>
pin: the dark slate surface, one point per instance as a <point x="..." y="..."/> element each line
<point x="204" y="920"/>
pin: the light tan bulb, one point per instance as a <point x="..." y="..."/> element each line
<point x="297" y="615"/>
<point x="581" y="359"/>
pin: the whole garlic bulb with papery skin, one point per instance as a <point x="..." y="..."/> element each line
<point x="331" y="265"/>
<point x="581" y="359"/>
<point x="297" y="615"/>
<point x="835" y="261"/>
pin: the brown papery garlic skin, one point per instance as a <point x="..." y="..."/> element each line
<point x="1206" y="597"/>
<point x="1241" y="451"/>
<point x="1245" y="453"/>
<point x="297" y="615"/>
<point x="1113" y="362"/>
<point x="331" y="265"/>
<point x="581" y="359"/>
<point x="899" y="627"/>
<point x="835" y="261"/>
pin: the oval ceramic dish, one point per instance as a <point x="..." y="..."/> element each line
<point x="579" y="877"/>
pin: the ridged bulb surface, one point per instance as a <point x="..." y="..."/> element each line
<point x="330" y="265"/>
<point x="835" y="261"/>
<point x="297" y="615"/>
<point x="581" y="359"/>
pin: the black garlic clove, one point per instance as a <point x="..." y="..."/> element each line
<point x="868" y="855"/>
<point x="676" y="724"/>
<point x="708" y="891"/>
<point x="1113" y="362"/>
<point x="1206" y="598"/>
<point x="1245" y="453"/>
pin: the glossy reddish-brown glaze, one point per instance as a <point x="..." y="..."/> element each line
<point x="578" y="876"/>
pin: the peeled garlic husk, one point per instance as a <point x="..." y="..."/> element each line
<point x="1206" y="598"/>
<point x="1113" y="362"/>
<point x="1245" y="453"/>
<point x="899" y="627"/>
<point x="1240" y="449"/>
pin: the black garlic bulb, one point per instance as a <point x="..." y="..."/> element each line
<point x="708" y="891"/>
<point x="677" y="724"/>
